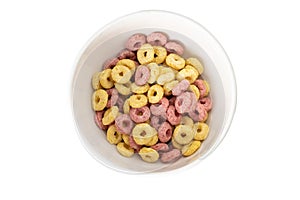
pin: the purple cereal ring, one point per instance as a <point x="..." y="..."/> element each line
<point x="172" y="101"/>
<point x="182" y="86"/>
<point x="199" y="114"/>
<point x="173" y="116"/>
<point x="206" y="102"/>
<point x="124" y="124"/>
<point x="183" y="102"/>
<point x="142" y="75"/>
<point x="160" y="147"/>
<point x="160" y="108"/>
<point x="165" y="132"/>
<point x="174" y="47"/>
<point x="112" y="97"/>
<point x="157" y="39"/>
<point x="133" y="144"/>
<point x="98" y="120"/>
<point x="135" y="41"/>
<point x="201" y="86"/>
<point x="170" y="156"/>
<point x="110" y="63"/>
<point x="126" y="54"/>
<point x="139" y="115"/>
<point x="156" y="121"/>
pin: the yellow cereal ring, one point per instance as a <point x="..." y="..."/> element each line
<point x="127" y="63"/>
<point x="121" y="74"/>
<point x="185" y="120"/>
<point x="155" y="93"/>
<point x="166" y="75"/>
<point x="123" y="89"/>
<point x="160" y="54"/>
<point x="149" y="154"/>
<point x="112" y="135"/>
<point x="191" y="148"/>
<point x="200" y="131"/>
<point x="110" y="115"/>
<point x="145" y="54"/>
<point x="195" y="90"/>
<point x="154" y="72"/>
<point x="195" y="63"/>
<point x="143" y="133"/>
<point x="126" y="106"/>
<point x="125" y="149"/>
<point x="175" y="61"/>
<point x="99" y="99"/>
<point x="169" y="86"/>
<point x="153" y="141"/>
<point x="96" y="81"/>
<point x="207" y="87"/>
<point x="105" y="79"/>
<point x="139" y="89"/>
<point x="183" y="134"/>
<point x="125" y="138"/>
<point x="189" y="73"/>
<point x="138" y="100"/>
<point x="175" y="144"/>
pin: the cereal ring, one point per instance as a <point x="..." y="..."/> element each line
<point x="187" y="121"/>
<point x="153" y="141"/>
<point x="175" y="61"/>
<point x="170" y="156"/>
<point x="189" y="73"/>
<point x="173" y="116"/>
<point x="160" y="54"/>
<point x="126" y="106"/>
<point x="182" y="86"/>
<point x="183" y="134"/>
<point x="112" y="135"/>
<point x="183" y="102"/>
<point x="200" y="131"/>
<point x="96" y="81"/>
<point x="133" y="144"/>
<point x="126" y="54"/>
<point x="124" y="124"/>
<point x="191" y="148"/>
<point x="99" y="99"/>
<point x="139" y="89"/>
<point x="196" y="64"/>
<point x="135" y="41"/>
<point x="195" y="90"/>
<point x="155" y="93"/>
<point x="127" y="63"/>
<point x="125" y="150"/>
<point x="160" y="108"/>
<point x="166" y="75"/>
<point x="120" y="103"/>
<point x="157" y="39"/>
<point x="142" y="75"/>
<point x="149" y="154"/>
<point x="121" y="74"/>
<point x="112" y="97"/>
<point x="139" y="115"/>
<point x="206" y="102"/>
<point x="165" y="132"/>
<point x="154" y="72"/>
<point x="138" y="100"/>
<point x="123" y="89"/>
<point x="160" y="147"/>
<point x="175" y="144"/>
<point x="145" y="54"/>
<point x="207" y="87"/>
<point x="110" y="63"/>
<point x="125" y="138"/>
<point x="203" y="87"/>
<point x="174" y="47"/>
<point x="156" y="121"/>
<point x="110" y="115"/>
<point x="169" y="86"/>
<point x="98" y="120"/>
<point x="199" y="114"/>
<point x="105" y="79"/>
<point x="143" y="133"/>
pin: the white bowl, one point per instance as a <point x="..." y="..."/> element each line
<point x="109" y="41"/>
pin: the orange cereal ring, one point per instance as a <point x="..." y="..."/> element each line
<point x="99" y="99"/>
<point x="145" y="54"/>
<point x="175" y="61"/>
<point x="155" y="93"/>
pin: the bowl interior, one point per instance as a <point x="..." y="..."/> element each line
<point x="109" y="41"/>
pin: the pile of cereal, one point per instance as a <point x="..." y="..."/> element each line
<point x="152" y="101"/>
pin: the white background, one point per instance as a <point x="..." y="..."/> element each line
<point x="41" y="156"/>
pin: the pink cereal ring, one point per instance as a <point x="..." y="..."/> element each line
<point x="112" y="97"/>
<point x="126" y="54"/>
<point x="165" y="132"/>
<point x="142" y="75"/>
<point x="135" y="41"/>
<point x="160" y="108"/>
<point x="174" y="47"/>
<point x="156" y="121"/>
<point x="157" y="39"/>
<point x="201" y="86"/>
<point x="139" y="115"/>
<point x="182" y="86"/>
<point x="110" y="63"/>
<point x="160" y="147"/>
<point x="170" y="156"/>
<point x="206" y="102"/>
<point x="133" y="144"/>
<point x="124" y="124"/>
<point x="199" y="114"/>
<point x="173" y="116"/>
<point x="183" y="102"/>
<point x="98" y="120"/>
